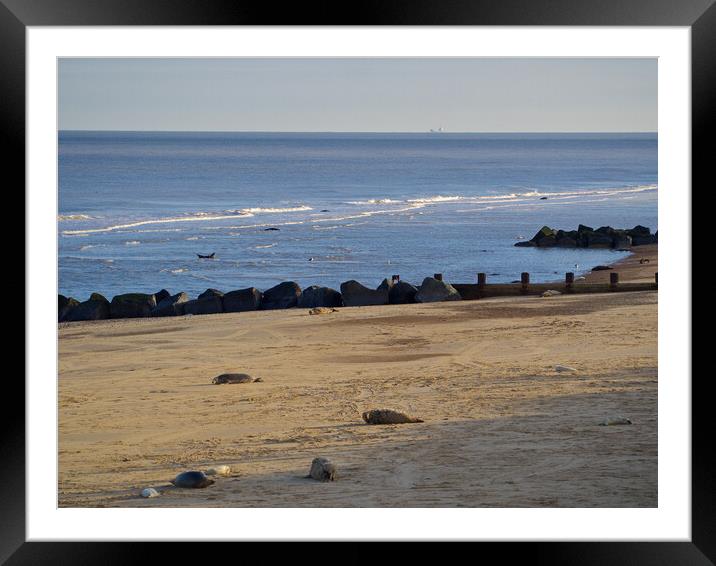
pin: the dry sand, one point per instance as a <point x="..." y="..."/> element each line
<point x="502" y="427"/>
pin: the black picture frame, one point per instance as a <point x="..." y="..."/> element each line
<point x="699" y="15"/>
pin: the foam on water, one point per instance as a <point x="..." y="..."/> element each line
<point x="146" y="204"/>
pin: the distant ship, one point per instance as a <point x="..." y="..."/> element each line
<point x="438" y="131"/>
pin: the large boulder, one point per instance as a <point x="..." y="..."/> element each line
<point x="386" y="284"/>
<point x="639" y="230"/>
<point x="132" y="305"/>
<point x="172" y="305"/>
<point x="211" y="293"/>
<point x="545" y="233"/>
<point x="358" y="295"/>
<point x="95" y="308"/>
<point x="599" y="240"/>
<point x="402" y="293"/>
<point x="547" y="241"/>
<point x="316" y="296"/>
<point x="566" y="242"/>
<point x="622" y="241"/>
<point x="587" y="237"/>
<point x="64" y="306"/>
<point x="282" y="296"/>
<point x="207" y="305"/>
<point x="161" y="295"/>
<point x="608" y="230"/>
<point x="644" y="240"/>
<point x="242" y="300"/>
<point x="432" y="290"/>
<point x="641" y="236"/>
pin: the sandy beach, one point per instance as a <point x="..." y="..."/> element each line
<point x="502" y="427"/>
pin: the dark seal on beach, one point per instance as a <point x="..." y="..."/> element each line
<point x="322" y="469"/>
<point x="234" y="378"/>
<point x="192" y="480"/>
<point x="388" y="416"/>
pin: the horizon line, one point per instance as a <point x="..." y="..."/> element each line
<point x="359" y="131"/>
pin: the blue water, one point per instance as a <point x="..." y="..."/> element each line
<point x="135" y="208"/>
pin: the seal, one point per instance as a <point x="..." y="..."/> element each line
<point x="192" y="480"/>
<point x="322" y="310"/>
<point x="615" y="421"/>
<point x="221" y="470"/>
<point x="388" y="416"/>
<point x="551" y="293"/>
<point x="149" y="492"/>
<point x="234" y="378"/>
<point x="322" y="469"/>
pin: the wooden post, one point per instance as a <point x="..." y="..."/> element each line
<point x="438" y="276"/>
<point x="481" y="279"/>
<point x="525" y="278"/>
<point x="396" y="278"/>
<point x="613" y="280"/>
<point x="569" y="280"/>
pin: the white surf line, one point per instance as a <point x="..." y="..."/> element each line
<point x="197" y="217"/>
<point x="413" y="205"/>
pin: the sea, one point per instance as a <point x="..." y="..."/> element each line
<point x="135" y="208"/>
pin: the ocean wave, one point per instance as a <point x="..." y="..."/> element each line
<point x="374" y="201"/>
<point x="132" y="243"/>
<point x="394" y="206"/>
<point x="74" y="217"/>
<point x="436" y="199"/>
<point x="259" y="210"/>
<point x="190" y="217"/>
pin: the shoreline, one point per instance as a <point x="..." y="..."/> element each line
<point x="629" y="268"/>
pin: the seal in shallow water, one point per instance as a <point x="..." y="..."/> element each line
<point x="322" y="469"/>
<point x="388" y="416"/>
<point x="191" y="480"/>
<point x="234" y="378"/>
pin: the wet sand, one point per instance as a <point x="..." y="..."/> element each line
<point x="502" y="427"/>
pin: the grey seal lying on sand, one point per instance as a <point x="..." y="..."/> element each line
<point x="234" y="378"/>
<point x="322" y="310"/>
<point x="322" y="469"/>
<point x="388" y="416"/>
<point x="191" y="480"/>
<point x="615" y="421"/>
<point x="149" y="492"/>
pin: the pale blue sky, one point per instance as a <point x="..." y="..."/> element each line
<point x="359" y="95"/>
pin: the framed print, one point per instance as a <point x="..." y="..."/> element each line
<point x="391" y="277"/>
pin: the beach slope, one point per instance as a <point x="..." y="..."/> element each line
<point x="503" y="427"/>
